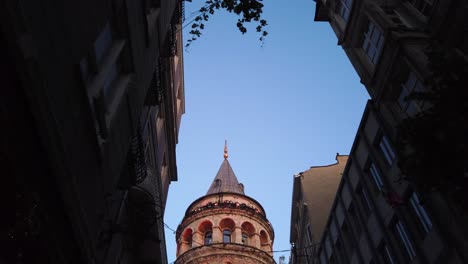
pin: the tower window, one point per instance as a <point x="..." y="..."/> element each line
<point x="208" y="237"/>
<point x="217" y="183"/>
<point x="187" y="237"/>
<point x="245" y="239"/>
<point x="264" y="240"/>
<point x="248" y="230"/>
<point x="227" y="236"/>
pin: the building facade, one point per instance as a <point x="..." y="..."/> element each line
<point x="91" y="107"/>
<point x="313" y="193"/>
<point x="225" y="226"/>
<point x="377" y="215"/>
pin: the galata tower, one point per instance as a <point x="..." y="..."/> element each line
<point x="225" y="226"/>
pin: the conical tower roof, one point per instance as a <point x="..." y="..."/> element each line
<point x="225" y="180"/>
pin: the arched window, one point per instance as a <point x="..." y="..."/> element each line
<point x="245" y="238"/>
<point x="208" y="237"/>
<point x="227" y="236"/>
<point x="263" y="237"/>
<point x="248" y="230"/>
<point x="264" y="241"/>
<point x="187" y="237"/>
<point x="205" y="228"/>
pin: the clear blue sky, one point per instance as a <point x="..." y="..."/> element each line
<point x="283" y="107"/>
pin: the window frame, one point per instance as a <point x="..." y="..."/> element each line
<point x="367" y="43"/>
<point x="423" y="217"/>
<point x="405" y="239"/>
<point x="385" y="147"/>
<point x="412" y="84"/>
<point x="245" y="238"/>
<point x="227" y="236"/>
<point x="354" y="219"/>
<point x="365" y="200"/>
<point x="343" y="9"/>
<point x="375" y="173"/>
<point x="309" y="234"/>
<point x="424" y="7"/>
<point x="151" y="10"/>
<point x="208" y="237"/>
<point x="105" y="72"/>
<point x="387" y="255"/>
<point x="339" y="248"/>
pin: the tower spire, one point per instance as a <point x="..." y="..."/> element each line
<point x="225" y="150"/>
<point x="225" y="180"/>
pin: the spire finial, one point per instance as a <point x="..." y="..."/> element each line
<point x="225" y="149"/>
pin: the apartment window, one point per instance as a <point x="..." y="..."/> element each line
<point x="227" y="236"/>
<point x="110" y="79"/>
<point x="322" y="256"/>
<point x="346" y="236"/>
<point x="101" y="72"/>
<point x="387" y="254"/>
<point x="103" y="59"/>
<point x="151" y="5"/>
<point x="412" y="84"/>
<point x="152" y="9"/>
<point x="87" y="69"/>
<point x="148" y="136"/>
<point x="309" y="233"/>
<point x="103" y="43"/>
<point x="405" y="240"/>
<point x="208" y="237"/>
<point x="373" y="42"/>
<point x="353" y="217"/>
<point x="374" y="172"/>
<point x="386" y="149"/>
<point x="421" y="213"/>
<point x="338" y="248"/>
<point x="343" y="8"/>
<point x="328" y="245"/>
<point x="423" y="6"/>
<point x="365" y="200"/>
